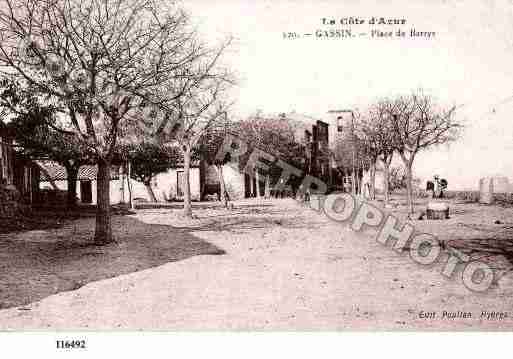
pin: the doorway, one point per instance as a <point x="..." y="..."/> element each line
<point x="86" y="192"/>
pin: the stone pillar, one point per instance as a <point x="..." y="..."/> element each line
<point x="486" y="190"/>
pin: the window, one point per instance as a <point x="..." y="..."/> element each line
<point x="339" y="124"/>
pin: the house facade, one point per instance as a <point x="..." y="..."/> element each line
<point x="53" y="179"/>
<point x="314" y="134"/>
<point x="18" y="178"/>
<point x="167" y="186"/>
<point x="6" y="157"/>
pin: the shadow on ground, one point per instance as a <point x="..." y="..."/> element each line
<point x="38" y="263"/>
<point x="241" y="218"/>
<point x="53" y="216"/>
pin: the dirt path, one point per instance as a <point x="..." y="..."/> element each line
<point x="285" y="267"/>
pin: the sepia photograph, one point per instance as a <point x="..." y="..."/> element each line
<point x="242" y="166"/>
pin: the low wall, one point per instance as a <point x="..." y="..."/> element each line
<point x="506" y="198"/>
<point x="467" y="196"/>
<point x="473" y="196"/>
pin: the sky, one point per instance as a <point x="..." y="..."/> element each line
<point x="467" y="63"/>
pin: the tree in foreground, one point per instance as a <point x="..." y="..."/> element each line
<point x="103" y="59"/>
<point x="419" y="122"/>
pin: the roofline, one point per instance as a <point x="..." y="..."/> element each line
<point x="341" y="111"/>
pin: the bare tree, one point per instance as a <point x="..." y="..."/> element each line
<point x="371" y="149"/>
<point x="419" y="122"/>
<point x="201" y="107"/>
<point x="102" y="58"/>
<point x="379" y="143"/>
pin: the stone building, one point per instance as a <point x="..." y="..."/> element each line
<point x="348" y="168"/>
<point x="314" y="134"/>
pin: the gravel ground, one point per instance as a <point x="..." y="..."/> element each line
<point x="286" y="267"/>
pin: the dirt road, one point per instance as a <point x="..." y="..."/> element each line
<point x="285" y="268"/>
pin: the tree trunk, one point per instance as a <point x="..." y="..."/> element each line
<point x="147" y="184"/>
<point x="386" y="181"/>
<point x="257" y="177"/>
<point x="129" y="185"/>
<point x="409" y="187"/>
<point x="267" y="189"/>
<point x="103" y="232"/>
<point x="222" y="185"/>
<point x="187" y="205"/>
<point x="72" y="175"/>
<point x="122" y="173"/>
<point x="372" y="180"/>
<point x="359" y="175"/>
<point x="353" y="182"/>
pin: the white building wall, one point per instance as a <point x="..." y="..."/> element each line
<point x="164" y="187"/>
<point x="61" y="185"/>
<point x="379" y="184"/>
<point x="234" y="181"/>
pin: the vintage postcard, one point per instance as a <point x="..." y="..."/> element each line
<point x="255" y="166"/>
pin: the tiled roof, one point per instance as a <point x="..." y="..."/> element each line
<point x="52" y="171"/>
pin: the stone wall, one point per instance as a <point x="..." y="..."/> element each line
<point x="504" y="198"/>
<point x="467" y="196"/>
<point x="473" y="196"/>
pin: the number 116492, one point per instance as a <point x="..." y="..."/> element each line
<point x="71" y="344"/>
